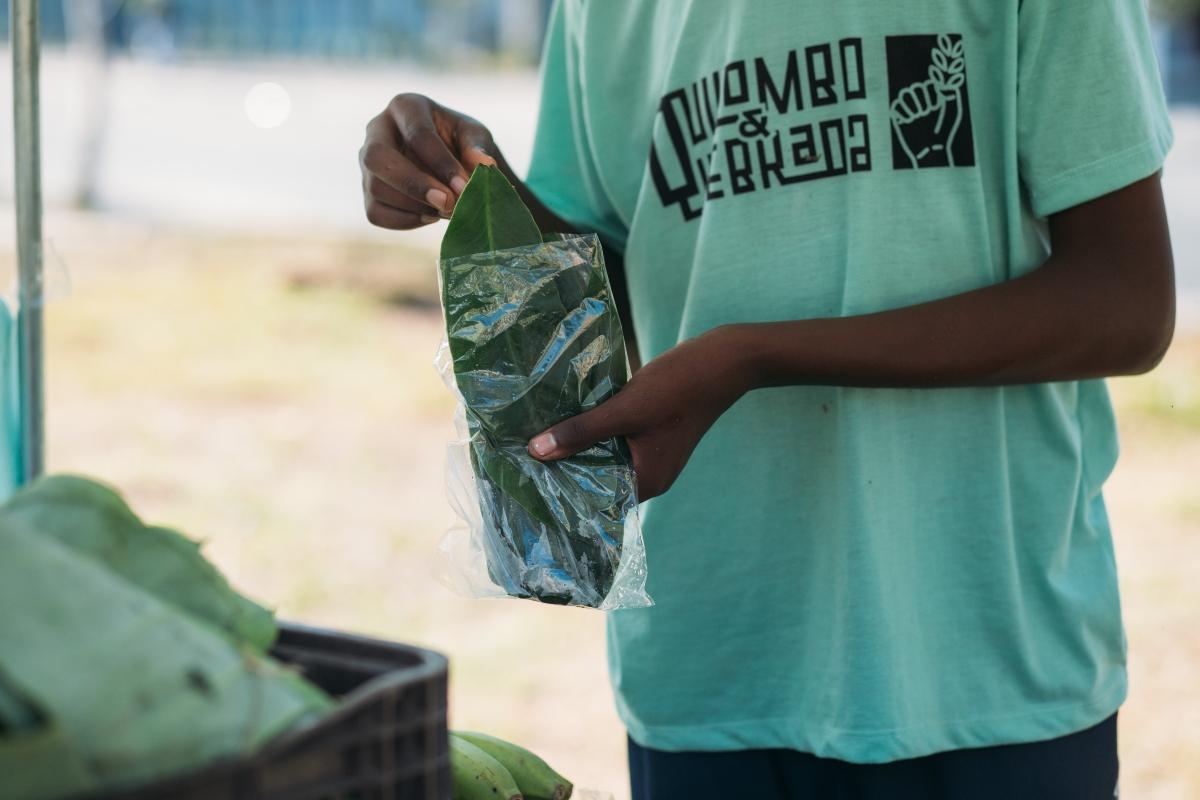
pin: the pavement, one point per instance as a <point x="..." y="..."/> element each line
<point x="179" y="147"/>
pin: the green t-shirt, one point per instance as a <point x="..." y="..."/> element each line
<point x="866" y="574"/>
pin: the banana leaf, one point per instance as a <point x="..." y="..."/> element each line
<point x="131" y="688"/>
<point x="534" y="338"/>
<point x="93" y="520"/>
<point x="33" y="747"/>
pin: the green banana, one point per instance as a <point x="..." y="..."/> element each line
<point x="535" y="778"/>
<point x="477" y="776"/>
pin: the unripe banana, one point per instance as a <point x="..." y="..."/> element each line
<point x="535" y="778"/>
<point x="477" y="776"/>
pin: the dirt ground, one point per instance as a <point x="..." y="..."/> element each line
<point x="276" y="398"/>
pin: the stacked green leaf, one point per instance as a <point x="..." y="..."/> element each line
<point x="122" y="659"/>
<point x="36" y="759"/>
<point x="93" y="520"/>
<point x="534" y="338"/>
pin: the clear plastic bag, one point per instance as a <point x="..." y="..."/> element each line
<point x="533" y="337"/>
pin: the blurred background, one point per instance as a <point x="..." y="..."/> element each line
<point x="231" y="344"/>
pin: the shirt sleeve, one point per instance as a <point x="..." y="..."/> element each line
<point x="563" y="173"/>
<point x="1091" y="116"/>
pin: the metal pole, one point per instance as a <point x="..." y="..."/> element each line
<point x="23" y="23"/>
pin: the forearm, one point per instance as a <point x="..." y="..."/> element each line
<point x="1068" y="320"/>
<point x="1102" y="305"/>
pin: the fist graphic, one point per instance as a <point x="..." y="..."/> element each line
<point x="927" y="115"/>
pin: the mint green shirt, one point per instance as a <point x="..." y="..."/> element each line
<point x="865" y="574"/>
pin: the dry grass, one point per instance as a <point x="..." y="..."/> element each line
<point x="1154" y="504"/>
<point x="277" y="398"/>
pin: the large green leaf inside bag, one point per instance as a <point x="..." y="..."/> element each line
<point x="534" y="338"/>
<point x="93" y="519"/>
<point x="132" y="688"/>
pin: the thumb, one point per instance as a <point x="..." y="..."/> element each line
<point x="577" y="433"/>
<point x="472" y="157"/>
<point x="475" y="143"/>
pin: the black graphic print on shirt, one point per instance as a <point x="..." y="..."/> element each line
<point x="737" y="129"/>
<point x="931" y="110"/>
<point x="759" y="124"/>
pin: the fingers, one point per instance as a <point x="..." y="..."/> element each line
<point x="413" y="116"/>
<point x="388" y="157"/>
<point x="375" y="188"/>
<point x="579" y="433"/>
<point x="417" y="159"/>
<point x="474" y="145"/>
<point x="388" y="208"/>
<point x="911" y="102"/>
<point x="903" y="107"/>
<point x="474" y="156"/>
<point x="384" y="165"/>
<point x="921" y="99"/>
<point x="385" y="216"/>
<point x="931" y="96"/>
<point x="916" y="101"/>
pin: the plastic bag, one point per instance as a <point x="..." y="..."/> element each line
<point x="533" y="337"/>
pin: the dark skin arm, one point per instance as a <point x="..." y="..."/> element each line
<point x="1103" y="304"/>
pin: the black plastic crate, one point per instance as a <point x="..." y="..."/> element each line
<point x="385" y="740"/>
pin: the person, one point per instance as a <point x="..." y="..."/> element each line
<point x="879" y="259"/>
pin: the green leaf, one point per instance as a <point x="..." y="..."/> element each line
<point x="489" y="216"/>
<point x="133" y="688"/>
<point x="18" y="712"/>
<point x="93" y="520"/>
<point x="534" y="339"/>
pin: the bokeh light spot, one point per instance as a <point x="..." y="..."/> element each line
<point x="268" y="105"/>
